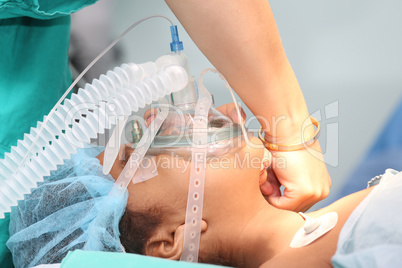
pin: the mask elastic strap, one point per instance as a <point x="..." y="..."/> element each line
<point x="243" y="129"/>
<point x="113" y="145"/>
<point x="192" y="229"/>
<point x="136" y="157"/>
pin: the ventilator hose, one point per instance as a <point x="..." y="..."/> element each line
<point x="81" y="118"/>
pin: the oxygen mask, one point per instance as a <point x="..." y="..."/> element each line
<point x="176" y="133"/>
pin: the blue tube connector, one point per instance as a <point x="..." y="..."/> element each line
<point x="176" y="45"/>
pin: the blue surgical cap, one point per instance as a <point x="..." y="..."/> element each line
<point x="70" y="210"/>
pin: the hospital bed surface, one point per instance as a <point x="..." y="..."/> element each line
<point x="88" y="259"/>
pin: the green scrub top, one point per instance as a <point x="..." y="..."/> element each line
<point x="34" y="71"/>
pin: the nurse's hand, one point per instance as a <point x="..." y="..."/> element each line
<point x="228" y="110"/>
<point x="303" y="175"/>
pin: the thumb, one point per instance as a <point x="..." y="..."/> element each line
<point x="234" y="116"/>
<point x="289" y="203"/>
<point x="282" y="202"/>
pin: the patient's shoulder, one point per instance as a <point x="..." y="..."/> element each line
<point x="297" y="261"/>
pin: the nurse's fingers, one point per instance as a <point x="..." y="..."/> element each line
<point x="271" y="188"/>
<point x="150" y="116"/>
<point x="229" y="110"/>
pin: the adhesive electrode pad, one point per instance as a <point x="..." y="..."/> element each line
<point x="313" y="229"/>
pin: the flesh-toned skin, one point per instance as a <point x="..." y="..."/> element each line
<point x="237" y="219"/>
<point x="241" y="40"/>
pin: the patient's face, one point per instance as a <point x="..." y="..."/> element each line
<point x="231" y="180"/>
<point x="232" y="190"/>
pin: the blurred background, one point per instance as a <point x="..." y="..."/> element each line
<point x="346" y="55"/>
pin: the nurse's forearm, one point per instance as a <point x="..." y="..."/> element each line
<point x="241" y="40"/>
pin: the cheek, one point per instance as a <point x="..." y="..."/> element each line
<point x="234" y="174"/>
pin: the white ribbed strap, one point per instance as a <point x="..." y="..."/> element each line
<point x="192" y="229"/>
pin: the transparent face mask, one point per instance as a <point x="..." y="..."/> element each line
<point x="176" y="133"/>
<point x="175" y="136"/>
<point x="162" y="157"/>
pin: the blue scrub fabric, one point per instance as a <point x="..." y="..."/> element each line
<point x="34" y="42"/>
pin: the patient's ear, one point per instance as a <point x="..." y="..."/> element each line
<point x="168" y="245"/>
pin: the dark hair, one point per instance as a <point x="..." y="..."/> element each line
<point x="136" y="227"/>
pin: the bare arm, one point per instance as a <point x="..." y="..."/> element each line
<point x="241" y="40"/>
